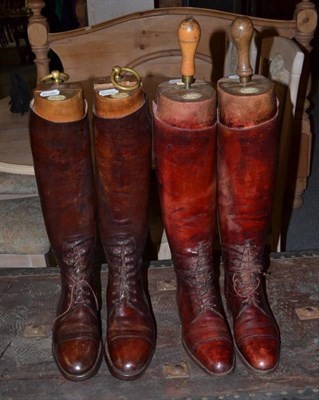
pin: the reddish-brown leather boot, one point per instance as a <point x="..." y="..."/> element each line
<point x="63" y="169"/>
<point x="123" y="166"/>
<point x="185" y="151"/>
<point x="247" y="154"/>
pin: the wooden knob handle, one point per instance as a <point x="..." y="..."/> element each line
<point x="188" y="37"/>
<point x="242" y="32"/>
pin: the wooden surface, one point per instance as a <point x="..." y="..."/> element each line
<point x="282" y="61"/>
<point x="27" y="369"/>
<point x="66" y="105"/>
<point x="15" y="150"/>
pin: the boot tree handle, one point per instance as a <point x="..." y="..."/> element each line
<point x="242" y="32"/>
<point x="55" y="76"/>
<point x="188" y="36"/>
<point x="116" y="78"/>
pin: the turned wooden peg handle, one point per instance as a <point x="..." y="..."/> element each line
<point x="242" y="32"/>
<point x="188" y="37"/>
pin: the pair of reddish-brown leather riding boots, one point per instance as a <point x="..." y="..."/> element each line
<point x="190" y="164"/>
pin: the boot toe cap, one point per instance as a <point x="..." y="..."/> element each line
<point x="215" y="357"/>
<point x="129" y="357"/>
<point x="261" y="354"/>
<point x="77" y="359"/>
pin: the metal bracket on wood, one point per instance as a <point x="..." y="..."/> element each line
<point x="173" y="371"/>
<point x="306" y="313"/>
<point x="167" y="284"/>
<point x="35" y="331"/>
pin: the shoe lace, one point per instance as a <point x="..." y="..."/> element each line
<point x="247" y="277"/>
<point x="80" y="296"/>
<point x="75" y="277"/>
<point x="199" y="279"/>
<point x="75" y="258"/>
<point x="125" y="275"/>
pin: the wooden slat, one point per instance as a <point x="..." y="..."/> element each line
<point x="27" y="369"/>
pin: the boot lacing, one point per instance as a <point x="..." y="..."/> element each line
<point x="125" y="275"/>
<point x="247" y="278"/>
<point x="75" y="260"/>
<point x="81" y="290"/>
<point x="77" y="296"/>
<point x="199" y="279"/>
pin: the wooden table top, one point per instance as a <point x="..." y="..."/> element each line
<point x="15" y="150"/>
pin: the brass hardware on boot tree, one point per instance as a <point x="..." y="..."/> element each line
<point x="119" y="94"/>
<point x="55" y="76"/>
<point x="61" y="152"/>
<point x="59" y="102"/>
<point x="185" y="153"/>
<point x="117" y="78"/>
<point x="247" y="153"/>
<point x="122" y="138"/>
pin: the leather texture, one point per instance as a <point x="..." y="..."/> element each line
<point x="246" y="169"/>
<point x="123" y="167"/>
<point x="64" y="174"/>
<point x="186" y="172"/>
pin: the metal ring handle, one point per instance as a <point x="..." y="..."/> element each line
<point x="116" y="76"/>
<point x="55" y="76"/>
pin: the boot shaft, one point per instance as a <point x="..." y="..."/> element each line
<point x="185" y="154"/>
<point x="123" y="167"/>
<point x="63" y="168"/>
<point x="246" y="171"/>
<point x="185" y="164"/>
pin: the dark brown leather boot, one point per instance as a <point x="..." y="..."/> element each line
<point x="246" y="173"/>
<point x="247" y="154"/>
<point x="63" y="168"/>
<point x="123" y="165"/>
<point x="185" y="151"/>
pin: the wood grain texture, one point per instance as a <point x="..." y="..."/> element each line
<point x="66" y="106"/>
<point x="27" y="369"/>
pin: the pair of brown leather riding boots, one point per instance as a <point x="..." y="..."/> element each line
<point x="192" y="162"/>
<point x="72" y="196"/>
<point x="219" y="159"/>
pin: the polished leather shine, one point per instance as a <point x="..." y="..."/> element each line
<point x="123" y="166"/>
<point x="246" y="167"/>
<point x="186" y="171"/>
<point x="63" y="169"/>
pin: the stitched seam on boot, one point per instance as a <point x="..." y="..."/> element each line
<point x="211" y="340"/>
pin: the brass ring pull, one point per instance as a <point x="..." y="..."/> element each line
<point x="55" y="76"/>
<point x="116" y="77"/>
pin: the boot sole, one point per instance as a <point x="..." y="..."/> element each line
<point x="202" y="366"/>
<point x="119" y="374"/>
<point x="88" y="374"/>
